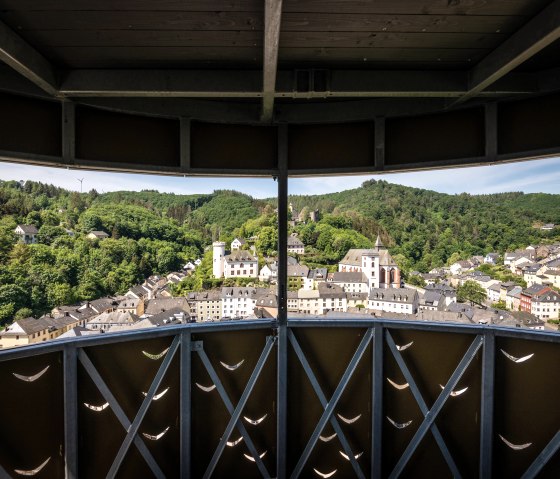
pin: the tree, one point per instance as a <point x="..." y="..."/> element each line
<point x="471" y="291"/>
<point x="23" y="313"/>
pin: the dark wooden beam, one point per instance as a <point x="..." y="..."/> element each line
<point x="530" y="39"/>
<point x="27" y="61"/>
<point x="272" y="16"/>
<point x="248" y="84"/>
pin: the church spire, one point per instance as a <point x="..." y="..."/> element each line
<point x="378" y="243"/>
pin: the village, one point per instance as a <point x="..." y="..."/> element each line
<point x="368" y="283"/>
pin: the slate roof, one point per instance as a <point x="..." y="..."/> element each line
<point x="29" y="229"/>
<point x="293" y="241"/>
<point x="239" y="256"/>
<point x="160" y="305"/>
<point x="349" y="277"/>
<point x="299" y="270"/>
<point x="393" y="295"/>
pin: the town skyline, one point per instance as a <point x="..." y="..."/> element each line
<point x="533" y="176"/>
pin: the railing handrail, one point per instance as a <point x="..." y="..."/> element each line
<point x="244" y="324"/>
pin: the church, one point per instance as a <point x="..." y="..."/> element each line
<point x="377" y="265"/>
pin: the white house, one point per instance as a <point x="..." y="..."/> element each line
<point x="237" y="244"/>
<point x="240" y="302"/>
<point x="237" y="264"/>
<point x="396" y="300"/>
<point x="493" y="292"/>
<point x="351" y="282"/>
<point x="546" y="304"/>
<point x="460" y="266"/>
<point x="27" y="233"/>
<point x="295" y="245"/>
<point x="269" y="273"/>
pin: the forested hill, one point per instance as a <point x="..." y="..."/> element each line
<point x="152" y="232"/>
<point x="427" y="227"/>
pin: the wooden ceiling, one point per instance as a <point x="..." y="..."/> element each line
<point x="450" y="66"/>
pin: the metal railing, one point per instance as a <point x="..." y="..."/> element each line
<point x="356" y="398"/>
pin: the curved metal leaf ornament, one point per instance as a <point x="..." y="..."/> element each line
<point x="155" y="357"/>
<point x="34" y="377"/>
<point x="515" y="447"/>
<point x="252" y="459"/>
<point x="397" y="386"/>
<point x="517" y="360"/>
<point x="456" y="393"/>
<point x="325" y="475"/>
<point x="349" y="421"/>
<point x="232" y="367"/>
<point x="206" y="389"/>
<point x="97" y="408"/>
<point x="32" y="472"/>
<point x="156" y="437"/>
<point x="255" y="422"/>
<point x="399" y="425"/>
<point x="158" y="396"/>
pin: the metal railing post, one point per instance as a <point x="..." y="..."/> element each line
<point x="70" y="362"/>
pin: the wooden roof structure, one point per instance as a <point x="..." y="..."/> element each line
<point x="252" y="87"/>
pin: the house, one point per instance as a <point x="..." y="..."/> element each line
<point x="505" y="287"/>
<point x="327" y="297"/>
<point x="477" y="260"/>
<point x="295" y="245"/>
<point x="190" y="266"/>
<point x="28" y="331"/>
<point x="461" y="266"/>
<point x="548" y="227"/>
<point x="398" y="300"/>
<point x="528" y="320"/>
<point x="237" y="264"/>
<point x="314" y="277"/>
<point x="527" y="295"/>
<point x="356" y="300"/>
<point x="297" y="273"/>
<point x="207" y="305"/>
<point x="351" y="282"/>
<point x="99" y="235"/>
<point x="493" y="292"/>
<point x="238" y="302"/>
<point x="449" y="293"/>
<point x="160" y="305"/>
<point x="492" y="258"/>
<point x="553" y="276"/>
<point x="509" y="256"/>
<point x="377" y="264"/>
<point x="132" y="305"/>
<point x="101" y="305"/>
<point x="267" y="306"/>
<point x="27" y="233"/>
<point x="516" y="266"/>
<point x="513" y="298"/>
<point x="237" y="244"/>
<point x="107" y="320"/>
<point x="546" y="304"/>
<point x="269" y="273"/>
<point x="531" y="273"/>
<point x="432" y="300"/>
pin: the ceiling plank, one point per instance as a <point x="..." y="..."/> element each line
<point x="23" y="58"/>
<point x="530" y="39"/>
<point x="272" y="17"/>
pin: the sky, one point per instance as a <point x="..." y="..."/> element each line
<point x="536" y="176"/>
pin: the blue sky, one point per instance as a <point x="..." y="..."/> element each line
<point x="529" y="176"/>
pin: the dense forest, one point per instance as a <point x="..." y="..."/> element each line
<point x="152" y="232"/>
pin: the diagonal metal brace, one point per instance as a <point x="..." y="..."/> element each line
<point x="133" y="429"/>
<point x="319" y="392"/>
<point x="119" y="413"/>
<point x="331" y="405"/>
<point x="546" y="454"/>
<point x="431" y="415"/>
<point x="270" y="340"/>
<point x="229" y="406"/>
